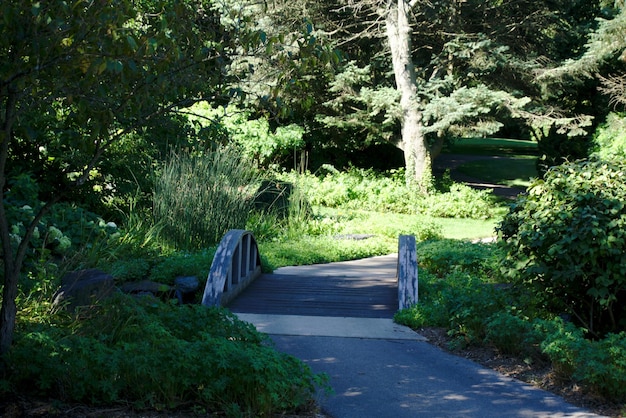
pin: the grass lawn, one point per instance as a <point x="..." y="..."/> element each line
<point x="492" y="146"/>
<point x="514" y="171"/>
<point x="384" y="229"/>
<point x="513" y="163"/>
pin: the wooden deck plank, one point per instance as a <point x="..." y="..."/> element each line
<point x="319" y="296"/>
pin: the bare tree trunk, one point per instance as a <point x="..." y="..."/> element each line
<point x="8" y="311"/>
<point x="416" y="151"/>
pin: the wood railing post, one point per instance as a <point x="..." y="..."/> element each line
<point x="407" y="272"/>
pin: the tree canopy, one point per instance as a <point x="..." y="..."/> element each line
<point x="474" y="66"/>
<point x="81" y="81"/>
<point x="76" y="77"/>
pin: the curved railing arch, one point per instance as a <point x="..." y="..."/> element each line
<point x="236" y="264"/>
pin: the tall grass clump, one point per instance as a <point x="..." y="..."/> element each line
<point x="200" y="197"/>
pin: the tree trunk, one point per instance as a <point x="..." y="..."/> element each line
<point x="416" y="151"/>
<point x="8" y="311"/>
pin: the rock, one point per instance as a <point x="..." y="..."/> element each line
<point x="186" y="288"/>
<point x="145" y="287"/>
<point x="355" y="237"/>
<point x="83" y="288"/>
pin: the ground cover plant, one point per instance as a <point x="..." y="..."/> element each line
<point x="387" y="192"/>
<point x="159" y="356"/>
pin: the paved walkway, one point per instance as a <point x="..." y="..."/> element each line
<point x="380" y="369"/>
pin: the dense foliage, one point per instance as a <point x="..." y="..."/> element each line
<point x="566" y="241"/>
<point x="610" y="138"/>
<point x="387" y="192"/>
<point x="155" y="355"/>
<point x="475" y="66"/>
<point x="95" y="96"/>
<point x="76" y="78"/>
<point x="63" y="230"/>
<point x="466" y="297"/>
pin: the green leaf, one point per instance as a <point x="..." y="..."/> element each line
<point x="132" y="43"/>
<point x="36" y="9"/>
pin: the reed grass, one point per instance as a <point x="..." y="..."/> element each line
<point x="199" y="198"/>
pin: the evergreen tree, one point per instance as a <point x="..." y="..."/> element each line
<point x="459" y="68"/>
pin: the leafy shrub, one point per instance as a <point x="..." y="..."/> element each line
<point x="198" y="264"/>
<point x="610" y="137"/>
<point x="443" y="257"/>
<point x="432" y="309"/>
<point x="199" y="198"/>
<point x="388" y="192"/>
<point x="156" y="355"/>
<point x="253" y="135"/>
<point x="355" y="189"/>
<point x="599" y="365"/>
<point x="63" y="230"/>
<point x="126" y="175"/>
<point x="561" y="342"/>
<point x="512" y="334"/>
<point x="556" y="147"/>
<point x="566" y="241"/>
<point x="471" y="303"/>
<point x="461" y="303"/>
<point x="423" y="231"/>
<point x="130" y="269"/>
<point x="460" y="201"/>
<point x="602" y="366"/>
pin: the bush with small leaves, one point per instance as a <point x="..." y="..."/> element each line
<point x="512" y="333"/>
<point x="460" y="302"/>
<point x="461" y="201"/>
<point x="566" y="242"/>
<point x="600" y="365"/>
<point x="442" y="257"/>
<point x="388" y="192"/>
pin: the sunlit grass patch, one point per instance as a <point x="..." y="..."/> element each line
<point x="492" y="146"/>
<point x="515" y="171"/>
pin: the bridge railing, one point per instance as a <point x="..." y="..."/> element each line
<point x="236" y="264"/>
<point x="407" y="271"/>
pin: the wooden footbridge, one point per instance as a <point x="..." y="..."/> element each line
<point x="347" y="289"/>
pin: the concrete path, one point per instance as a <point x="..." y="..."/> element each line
<point x="380" y="369"/>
